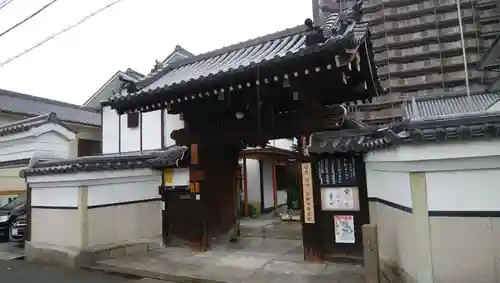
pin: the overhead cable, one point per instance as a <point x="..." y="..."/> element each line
<point x="28" y="18"/>
<point x="68" y="28"/>
<point x="5" y="3"/>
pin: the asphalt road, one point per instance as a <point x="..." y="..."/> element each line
<point x="20" y="271"/>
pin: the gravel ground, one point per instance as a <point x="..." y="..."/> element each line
<point x="19" y="271"/>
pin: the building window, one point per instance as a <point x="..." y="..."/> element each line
<point x="133" y="120"/>
<point x="88" y="147"/>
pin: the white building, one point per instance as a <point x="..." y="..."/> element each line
<point x="15" y="109"/>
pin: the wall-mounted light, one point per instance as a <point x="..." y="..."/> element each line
<point x="240" y="115"/>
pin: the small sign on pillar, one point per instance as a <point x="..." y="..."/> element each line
<point x="307" y="190"/>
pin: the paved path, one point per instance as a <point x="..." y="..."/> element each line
<point x="19" y="271"/>
<point x="10" y="251"/>
<point x="252" y="260"/>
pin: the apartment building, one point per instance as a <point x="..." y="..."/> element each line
<point x="417" y="43"/>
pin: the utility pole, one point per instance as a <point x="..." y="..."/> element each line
<point x="464" y="55"/>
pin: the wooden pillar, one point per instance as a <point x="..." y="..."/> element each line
<point x="245" y="186"/>
<point x="310" y="207"/>
<point x="275" y="189"/>
<point x="201" y="241"/>
<point x="236" y="230"/>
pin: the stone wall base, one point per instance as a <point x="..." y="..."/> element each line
<point x="75" y="258"/>
<point x="391" y="272"/>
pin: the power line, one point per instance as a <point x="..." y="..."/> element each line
<point x="59" y="32"/>
<point x="28" y="18"/>
<point x="5" y="3"/>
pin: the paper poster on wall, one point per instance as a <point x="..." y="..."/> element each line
<point x="176" y="177"/>
<point x="344" y="229"/>
<point x="340" y="199"/>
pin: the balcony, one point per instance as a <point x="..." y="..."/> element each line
<point x="419" y="23"/>
<point x="428" y="50"/>
<point x="413" y="84"/>
<point x="493" y="28"/>
<point x="420" y="37"/>
<point x="440" y="90"/>
<point x="425" y="66"/>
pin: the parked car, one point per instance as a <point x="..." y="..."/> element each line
<point x="9" y="213"/>
<point x="17" y="228"/>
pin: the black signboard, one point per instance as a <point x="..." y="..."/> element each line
<point x="337" y="171"/>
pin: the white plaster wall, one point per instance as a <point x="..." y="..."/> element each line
<point x="171" y="123"/>
<point x="253" y="181"/>
<point x="49" y="141"/>
<point x="113" y="193"/>
<point x="282" y="197"/>
<point x="151" y="130"/>
<point x="267" y="176"/>
<point x="286" y="144"/>
<point x="460" y="176"/>
<point x="130" y="138"/>
<point x="436" y="151"/>
<point x="55" y="197"/>
<point x="93" y="178"/>
<point x="390" y="186"/>
<point x="10" y="180"/>
<point x="464" y="190"/>
<point x="110" y="130"/>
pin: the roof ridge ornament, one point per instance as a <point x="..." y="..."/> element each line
<point x="314" y="33"/>
<point x="336" y="25"/>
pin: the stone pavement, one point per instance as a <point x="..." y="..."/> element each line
<point x="273" y="228"/>
<point x="10" y="251"/>
<point x="252" y="260"/>
<point x="19" y="271"/>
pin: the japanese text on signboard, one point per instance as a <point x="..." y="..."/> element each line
<point x="307" y="189"/>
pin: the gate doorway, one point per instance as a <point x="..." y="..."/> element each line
<point x="289" y="84"/>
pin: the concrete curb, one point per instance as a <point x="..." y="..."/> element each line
<point x="123" y="271"/>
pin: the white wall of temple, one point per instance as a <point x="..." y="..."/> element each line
<point x="54" y="197"/>
<point x="118" y="137"/>
<point x="452" y="171"/>
<point x="47" y="141"/>
<point x="130" y="138"/>
<point x="110" y="130"/>
<point x="254" y="182"/>
<point x="171" y="123"/>
<point x="97" y="204"/>
<point x="151" y="130"/>
<point x="267" y="179"/>
<point x="10" y="180"/>
<point x="140" y="189"/>
<point x="460" y="184"/>
<point x="389" y="186"/>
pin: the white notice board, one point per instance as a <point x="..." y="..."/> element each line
<point x="340" y="199"/>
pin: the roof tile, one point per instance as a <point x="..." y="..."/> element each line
<point x="18" y="103"/>
<point x="165" y="158"/>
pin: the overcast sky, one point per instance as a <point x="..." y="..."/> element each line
<point x="131" y="34"/>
